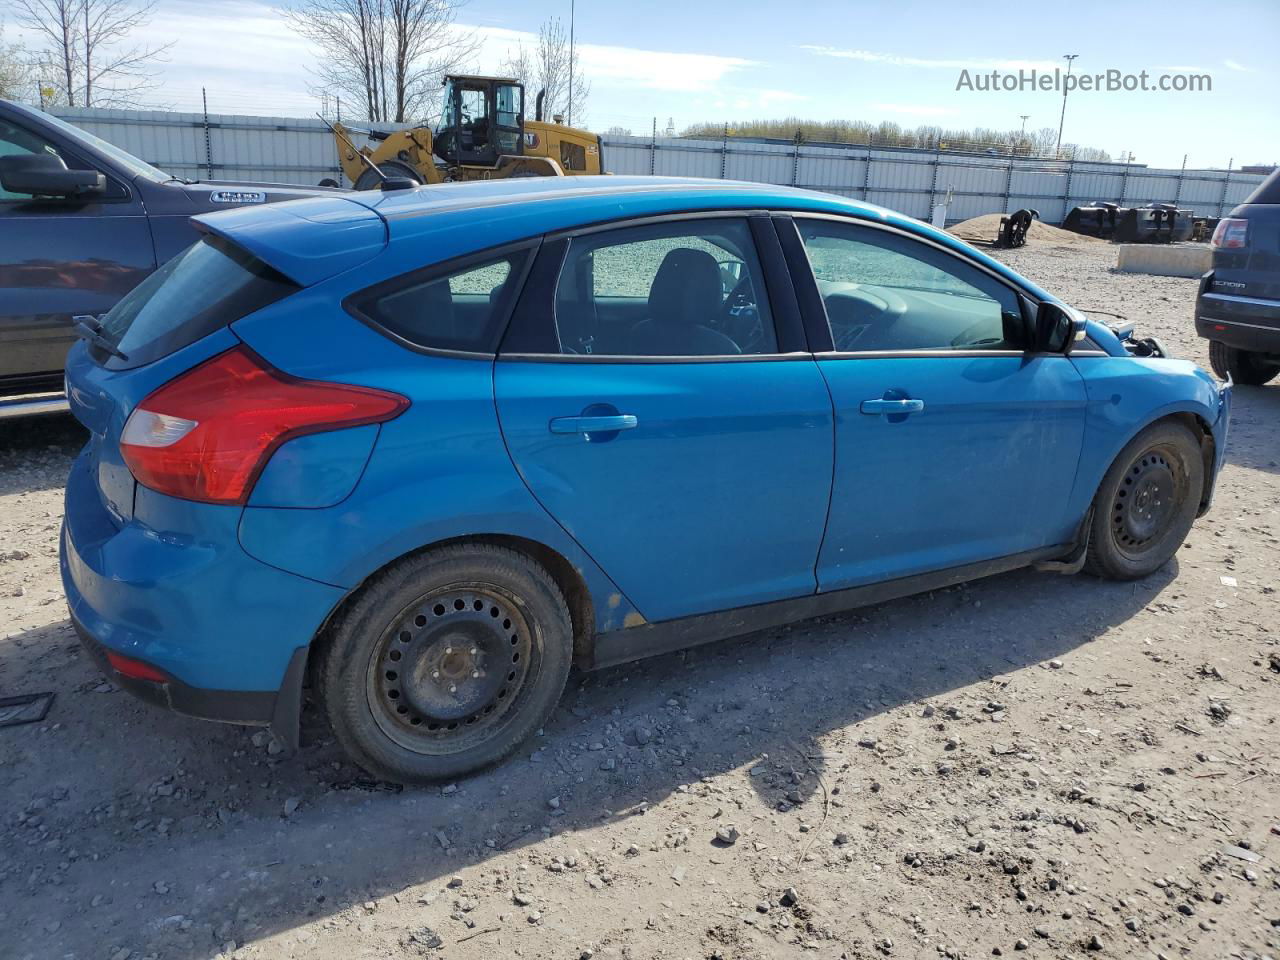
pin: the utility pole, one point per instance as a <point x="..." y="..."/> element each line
<point x="1065" y="89"/>
<point x="572" y="4"/>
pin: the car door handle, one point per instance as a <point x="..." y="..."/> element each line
<point x="595" y="424"/>
<point x="880" y="406"/>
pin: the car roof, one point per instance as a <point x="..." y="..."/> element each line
<point x="455" y="219"/>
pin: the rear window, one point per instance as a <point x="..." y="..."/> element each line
<point x="1268" y="190"/>
<point x="462" y="308"/>
<point x="209" y="285"/>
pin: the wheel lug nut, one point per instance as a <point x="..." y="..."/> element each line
<point x="475" y="673"/>
<point x="473" y="651"/>
<point x="448" y="650"/>
<point x="435" y="674"/>
<point x="453" y="688"/>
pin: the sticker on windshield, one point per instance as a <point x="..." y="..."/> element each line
<point x="238" y="196"/>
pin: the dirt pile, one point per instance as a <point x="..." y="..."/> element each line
<point x="984" y="229"/>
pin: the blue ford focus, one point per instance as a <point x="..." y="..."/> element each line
<point x="426" y="449"/>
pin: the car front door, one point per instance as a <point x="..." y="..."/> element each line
<point x="954" y="444"/>
<point x="59" y="258"/>
<point x="656" y="397"/>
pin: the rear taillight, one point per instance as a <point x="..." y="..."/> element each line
<point x="207" y="435"/>
<point x="1230" y="234"/>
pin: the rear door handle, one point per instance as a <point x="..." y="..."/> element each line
<point x="880" y="406"/>
<point x="605" y="424"/>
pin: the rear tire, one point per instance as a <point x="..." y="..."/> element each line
<point x="445" y="663"/>
<point x="1146" y="503"/>
<point x="1245" y="368"/>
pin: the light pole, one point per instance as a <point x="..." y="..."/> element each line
<point x="571" y="13"/>
<point x="1065" y="89"/>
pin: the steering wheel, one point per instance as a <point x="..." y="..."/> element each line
<point x="740" y="317"/>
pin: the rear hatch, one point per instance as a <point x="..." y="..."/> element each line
<point x="178" y="317"/>
<point x="1246" y="254"/>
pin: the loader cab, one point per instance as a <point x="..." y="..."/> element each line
<point x="482" y="119"/>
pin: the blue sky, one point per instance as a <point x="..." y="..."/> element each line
<point x="822" y="60"/>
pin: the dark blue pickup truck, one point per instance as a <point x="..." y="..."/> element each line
<point x="81" y="223"/>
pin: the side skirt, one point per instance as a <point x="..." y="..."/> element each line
<point x="635" y="643"/>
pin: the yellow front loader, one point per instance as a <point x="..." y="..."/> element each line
<point x="482" y="135"/>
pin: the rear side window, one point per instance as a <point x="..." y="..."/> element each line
<point x="463" y="309"/>
<point x="209" y="285"/>
<point x="1268" y="190"/>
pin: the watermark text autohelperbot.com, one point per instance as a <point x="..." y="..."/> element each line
<point x="1058" y="81"/>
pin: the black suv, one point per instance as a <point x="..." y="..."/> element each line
<point x="1238" y="307"/>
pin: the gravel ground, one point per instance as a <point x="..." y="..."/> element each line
<point x="1034" y="765"/>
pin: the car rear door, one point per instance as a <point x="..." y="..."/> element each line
<point x="656" y="397"/>
<point x="60" y="258"/>
<point x="953" y="445"/>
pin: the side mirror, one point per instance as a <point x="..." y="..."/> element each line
<point x="46" y="175"/>
<point x="1057" y="328"/>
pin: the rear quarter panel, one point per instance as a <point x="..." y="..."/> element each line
<point x="1125" y="395"/>
<point x="437" y="472"/>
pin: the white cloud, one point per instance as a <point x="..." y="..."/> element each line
<point x="870" y="56"/>
<point x="1233" y="65"/>
<point x="625" y="66"/>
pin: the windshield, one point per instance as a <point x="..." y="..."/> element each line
<point x="126" y="160"/>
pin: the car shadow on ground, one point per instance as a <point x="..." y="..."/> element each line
<point x="34" y="451"/>
<point x="1254" y="413"/>
<point x="236" y="867"/>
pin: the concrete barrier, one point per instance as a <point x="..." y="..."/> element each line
<point x="1166" y="260"/>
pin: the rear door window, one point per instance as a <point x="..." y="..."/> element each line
<point x="209" y="285"/>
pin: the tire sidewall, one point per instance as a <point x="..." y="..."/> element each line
<point x="1105" y="556"/>
<point x="353" y="641"/>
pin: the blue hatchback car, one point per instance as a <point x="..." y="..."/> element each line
<point x="429" y="448"/>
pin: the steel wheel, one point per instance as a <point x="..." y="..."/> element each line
<point x="1146" y="502"/>
<point x="450" y="669"/>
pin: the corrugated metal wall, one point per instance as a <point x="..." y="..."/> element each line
<point x="226" y="147"/>
<point x="912" y="181"/>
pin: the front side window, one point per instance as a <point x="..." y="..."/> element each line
<point x="691" y="288"/>
<point x="461" y="310"/>
<point x="883" y="291"/>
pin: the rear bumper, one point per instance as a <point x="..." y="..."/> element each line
<point x="228" y="706"/>
<point x="1245" y="323"/>
<point x="179" y="594"/>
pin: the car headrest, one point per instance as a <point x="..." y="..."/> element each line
<point x="686" y="289"/>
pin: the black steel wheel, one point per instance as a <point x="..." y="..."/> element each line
<point x="450" y="670"/>
<point x="1147" y="502"/>
<point x="445" y="662"/>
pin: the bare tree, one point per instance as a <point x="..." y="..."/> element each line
<point x="546" y="66"/>
<point x="385" y="57"/>
<point x="87" y="59"/>
<point x="15" y="70"/>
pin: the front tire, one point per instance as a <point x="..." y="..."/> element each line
<point x="1146" y="503"/>
<point x="446" y="663"/>
<point x="1244" y="367"/>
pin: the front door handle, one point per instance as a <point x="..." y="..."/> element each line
<point x="882" y="406"/>
<point x="602" y="424"/>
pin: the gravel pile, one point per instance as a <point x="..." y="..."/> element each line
<point x="984" y="230"/>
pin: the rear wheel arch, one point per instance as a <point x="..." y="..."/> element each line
<point x="567" y="578"/>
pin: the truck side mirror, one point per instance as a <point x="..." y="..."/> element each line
<point x="46" y="175"/>
<point x="1057" y="328"/>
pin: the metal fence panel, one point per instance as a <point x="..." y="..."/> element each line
<point x="291" y="150"/>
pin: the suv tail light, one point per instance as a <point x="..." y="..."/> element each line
<point x="1230" y="234"/>
<point x="207" y="435"/>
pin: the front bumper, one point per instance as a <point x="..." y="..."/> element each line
<point x="172" y="587"/>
